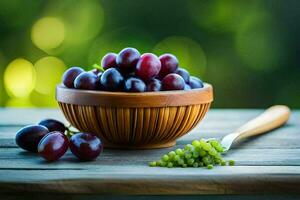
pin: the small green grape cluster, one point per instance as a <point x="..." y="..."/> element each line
<point x="201" y="153"/>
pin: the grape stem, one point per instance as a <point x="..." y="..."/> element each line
<point x="96" y="66"/>
<point x="69" y="131"/>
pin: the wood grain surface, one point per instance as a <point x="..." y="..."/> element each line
<point x="267" y="164"/>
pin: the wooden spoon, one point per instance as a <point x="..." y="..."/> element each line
<point x="272" y="118"/>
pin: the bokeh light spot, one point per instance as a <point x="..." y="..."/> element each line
<point x="49" y="71"/>
<point x="189" y="53"/>
<point x="83" y="19"/>
<point x="19" y="78"/>
<point x="2" y="60"/>
<point x="48" y="33"/>
<point x="258" y="43"/>
<point x="19" y="102"/>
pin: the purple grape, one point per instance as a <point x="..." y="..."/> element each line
<point x="53" y="146"/>
<point x="87" y="81"/>
<point x="85" y="146"/>
<point x="127" y="59"/>
<point x="148" y="66"/>
<point x="195" y="82"/>
<point x="112" y="80"/>
<point x="173" y="82"/>
<point x="109" y="61"/>
<point x="134" y="85"/>
<point x="154" y="85"/>
<point x="169" y="64"/>
<point x="53" y="125"/>
<point x="70" y="75"/>
<point x="187" y="87"/>
<point x="29" y="137"/>
<point x="184" y="74"/>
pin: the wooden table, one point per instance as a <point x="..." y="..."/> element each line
<point x="266" y="167"/>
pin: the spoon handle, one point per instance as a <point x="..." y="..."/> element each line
<point x="272" y="118"/>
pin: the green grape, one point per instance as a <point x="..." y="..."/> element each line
<point x="212" y="152"/>
<point x="202" y="153"/>
<point x="171" y="155"/>
<point x="176" y="157"/>
<point x="187" y="155"/>
<point x="216" y="144"/>
<point x="206" y="146"/>
<point x="181" y="162"/>
<point x="190" y="161"/>
<point x="218" y="156"/>
<point x="217" y="161"/>
<point x="179" y="152"/>
<point x="207" y="160"/>
<point x="152" y="164"/>
<point x="170" y="165"/>
<point x="198" y="149"/>
<point x="159" y="163"/>
<point x="188" y="147"/>
<point x="195" y="154"/>
<point x="163" y="163"/>
<point x="198" y="154"/>
<point x="165" y="158"/>
<point x="231" y="162"/>
<point x="196" y="143"/>
<point x="210" y="166"/>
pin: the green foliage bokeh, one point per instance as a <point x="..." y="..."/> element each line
<point x="247" y="50"/>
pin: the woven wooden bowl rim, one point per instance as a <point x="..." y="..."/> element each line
<point x="135" y="100"/>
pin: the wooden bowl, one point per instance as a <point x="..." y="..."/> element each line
<point x="135" y="120"/>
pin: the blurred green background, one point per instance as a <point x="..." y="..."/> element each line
<point x="248" y="50"/>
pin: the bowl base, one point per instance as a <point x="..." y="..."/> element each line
<point x="141" y="146"/>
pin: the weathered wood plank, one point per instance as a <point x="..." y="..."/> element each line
<point x="12" y="117"/>
<point x="18" y="159"/>
<point x="264" y="165"/>
<point x="280" y="138"/>
<point x="246" y="180"/>
<point x="51" y="196"/>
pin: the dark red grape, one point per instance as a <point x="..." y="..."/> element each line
<point x="87" y="81"/>
<point x="53" y="146"/>
<point x="187" y="87"/>
<point x="29" y="137"/>
<point x="85" y="146"/>
<point x="169" y="64"/>
<point x="134" y="85"/>
<point x="173" y="82"/>
<point x="184" y="74"/>
<point x="195" y="82"/>
<point x="53" y="125"/>
<point x="112" y="80"/>
<point x="127" y="59"/>
<point x="154" y="85"/>
<point x="148" y="66"/>
<point x="109" y="60"/>
<point x="70" y="75"/>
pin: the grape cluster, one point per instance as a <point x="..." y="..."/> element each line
<point x="48" y="138"/>
<point x="129" y="71"/>
<point x="201" y="153"/>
